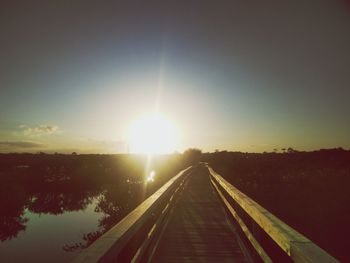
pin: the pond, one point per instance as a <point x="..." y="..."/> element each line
<point x="52" y="207"/>
<point x="45" y="236"/>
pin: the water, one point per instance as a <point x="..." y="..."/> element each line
<point x="53" y="224"/>
<point x="45" y="236"/>
<point x="52" y="207"/>
<point x="56" y="222"/>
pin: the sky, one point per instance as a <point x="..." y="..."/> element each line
<point x="230" y="75"/>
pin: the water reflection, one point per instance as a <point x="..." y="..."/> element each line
<point x="150" y="177"/>
<point x="58" y="185"/>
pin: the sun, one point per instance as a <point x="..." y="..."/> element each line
<point x="152" y="134"/>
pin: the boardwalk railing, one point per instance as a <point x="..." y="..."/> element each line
<point x="129" y="240"/>
<point x="297" y="247"/>
<point x="265" y="237"/>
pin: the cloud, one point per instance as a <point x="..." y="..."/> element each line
<point x="4" y="145"/>
<point x="43" y="129"/>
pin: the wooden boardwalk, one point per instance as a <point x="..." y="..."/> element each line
<point x="185" y="221"/>
<point x="198" y="230"/>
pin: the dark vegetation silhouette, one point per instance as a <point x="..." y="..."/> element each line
<point x="191" y="156"/>
<point x="307" y="190"/>
<point x="55" y="184"/>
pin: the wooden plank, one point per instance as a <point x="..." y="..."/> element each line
<point x="308" y="253"/>
<point x="158" y="225"/>
<point x="259" y="249"/>
<point x="156" y="241"/>
<point x="198" y="230"/>
<point x="107" y="247"/>
<point x="300" y="248"/>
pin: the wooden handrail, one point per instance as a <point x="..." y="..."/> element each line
<point x="110" y="244"/>
<point x="297" y="246"/>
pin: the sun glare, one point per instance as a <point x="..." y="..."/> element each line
<point x="150" y="177"/>
<point x="152" y="135"/>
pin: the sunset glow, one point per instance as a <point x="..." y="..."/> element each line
<point x="153" y="134"/>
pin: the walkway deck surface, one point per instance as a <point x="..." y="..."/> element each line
<point x="198" y="230"/>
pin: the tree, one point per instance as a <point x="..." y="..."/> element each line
<point x="192" y="156"/>
<point x="291" y="150"/>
